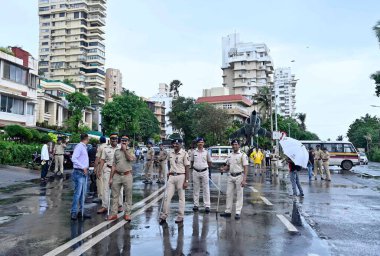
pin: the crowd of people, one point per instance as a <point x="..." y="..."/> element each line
<point x="112" y="167"/>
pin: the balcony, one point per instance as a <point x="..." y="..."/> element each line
<point x="47" y="116"/>
<point x="97" y="19"/>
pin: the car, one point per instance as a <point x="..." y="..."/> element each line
<point x="363" y="158"/>
<point x="219" y="154"/>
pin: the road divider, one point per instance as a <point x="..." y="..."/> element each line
<point x="287" y="223"/>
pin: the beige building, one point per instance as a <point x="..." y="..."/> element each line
<point x="71" y="43"/>
<point x="159" y="111"/>
<point x="114" y="83"/>
<point x="236" y="105"/>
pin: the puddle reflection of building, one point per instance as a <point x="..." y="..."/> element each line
<point x="199" y="243"/>
<point x="76" y="230"/>
<point x="122" y="242"/>
<point x="168" y="250"/>
<point x="56" y="193"/>
<point x="233" y="237"/>
<point x="43" y="204"/>
<point x="148" y="211"/>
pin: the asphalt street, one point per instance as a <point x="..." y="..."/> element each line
<point x="338" y="218"/>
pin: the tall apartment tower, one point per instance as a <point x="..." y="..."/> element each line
<point x="114" y="83"/>
<point x="246" y="66"/>
<point x="71" y="44"/>
<point x="285" y="92"/>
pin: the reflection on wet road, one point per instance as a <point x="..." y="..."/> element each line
<point x="35" y="220"/>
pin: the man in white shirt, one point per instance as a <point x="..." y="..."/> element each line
<point x="44" y="160"/>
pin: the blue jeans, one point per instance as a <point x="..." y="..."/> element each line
<point x="295" y="182"/>
<point x="79" y="180"/>
<point x="310" y="168"/>
<point x="44" y="169"/>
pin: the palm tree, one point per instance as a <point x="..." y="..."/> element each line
<point x="263" y="99"/>
<point x="376" y="28"/>
<point x="174" y="85"/>
<point x="302" y="118"/>
<point x="376" y="76"/>
<point x="339" y="138"/>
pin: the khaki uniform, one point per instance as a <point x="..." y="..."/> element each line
<point x="178" y="161"/>
<point x="318" y="163"/>
<point x="326" y="161"/>
<point x="200" y="161"/>
<point x="58" y="157"/>
<point x="149" y="164"/>
<point x="274" y="163"/>
<point x="163" y="162"/>
<point x="107" y="155"/>
<point x="122" y="178"/>
<point x="99" y="180"/>
<point x="236" y="162"/>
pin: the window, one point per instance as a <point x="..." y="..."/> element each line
<point x="45" y="30"/>
<point x="242" y="62"/>
<point x="45" y="17"/>
<point x="44" y="1"/>
<point x="14" y="73"/>
<point x="46" y="24"/>
<point x="45" y="36"/>
<point x="62" y="14"/>
<point x="45" y="43"/>
<point x="76" y="15"/>
<point x="44" y="49"/>
<point x="227" y="106"/>
<point x="348" y="148"/>
<point x="3" y="103"/>
<point x="43" y="9"/>
<point x="214" y="152"/>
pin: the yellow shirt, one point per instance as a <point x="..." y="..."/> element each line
<point x="257" y="156"/>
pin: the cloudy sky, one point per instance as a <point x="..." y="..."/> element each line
<point x="152" y="41"/>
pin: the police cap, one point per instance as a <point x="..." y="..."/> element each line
<point x="234" y="141"/>
<point x="176" y="141"/>
<point x="200" y="139"/>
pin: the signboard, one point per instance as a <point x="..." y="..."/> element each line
<point x="278" y="135"/>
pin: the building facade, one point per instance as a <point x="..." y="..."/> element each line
<point x="18" y="88"/>
<point x="245" y="66"/>
<point x="114" y="83"/>
<point x="159" y="111"/>
<point x="165" y="97"/>
<point x="71" y="42"/>
<point x="285" y="92"/>
<point x="236" y="105"/>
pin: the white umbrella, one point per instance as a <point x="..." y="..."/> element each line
<point x="296" y="151"/>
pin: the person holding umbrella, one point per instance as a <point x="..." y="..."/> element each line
<point x="294" y="178"/>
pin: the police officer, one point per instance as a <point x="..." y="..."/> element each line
<point x="318" y="162"/>
<point x="106" y="162"/>
<point x="274" y="162"/>
<point x="178" y="180"/>
<point x="149" y="164"/>
<point x="162" y="163"/>
<point x="97" y="170"/>
<point x="121" y="176"/>
<point x="237" y="166"/>
<point x="200" y="163"/>
<point x="326" y="161"/>
<point x="59" y="151"/>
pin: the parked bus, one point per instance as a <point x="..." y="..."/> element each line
<point x="342" y="153"/>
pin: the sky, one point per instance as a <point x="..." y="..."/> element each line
<point x="150" y="41"/>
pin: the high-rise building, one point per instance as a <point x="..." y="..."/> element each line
<point x="71" y="43"/>
<point x="246" y="66"/>
<point x="285" y="92"/>
<point x="114" y="83"/>
<point x="18" y="87"/>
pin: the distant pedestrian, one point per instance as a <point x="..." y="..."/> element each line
<point x="318" y="163"/>
<point x="257" y="156"/>
<point x="237" y="166"/>
<point x="267" y="158"/>
<point x="310" y="164"/>
<point x="98" y="171"/>
<point x="149" y="164"/>
<point x="201" y="162"/>
<point x="79" y="176"/>
<point x="122" y="177"/>
<point x="294" y="178"/>
<point x="178" y="180"/>
<point x="44" y="160"/>
<point x="59" y="151"/>
<point x="274" y="161"/>
<point x="326" y="162"/>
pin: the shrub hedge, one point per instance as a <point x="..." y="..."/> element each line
<point x="17" y="154"/>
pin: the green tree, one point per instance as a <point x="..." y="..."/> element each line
<point x="339" y="138"/>
<point x="78" y="102"/>
<point x="362" y="129"/>
<point x="264" y="101"/>
<point x="128" y="113"/>
<point x="18" y="133"/>
<point x="174" y="86"/>
<point x="376" y="76"/>
<point x="93" y="94"/>
<point x="302" y="118"/>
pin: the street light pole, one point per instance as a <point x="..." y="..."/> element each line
<point x="289" y="129"/>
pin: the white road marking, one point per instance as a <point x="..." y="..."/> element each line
<point x="89" y="232"/>
<point x="288" y="225"/>
<point x="90" y="243"/>
<point x="266" y="201"/>
<point x="253" y="189"/>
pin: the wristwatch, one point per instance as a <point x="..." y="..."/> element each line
<point x="187" y="181"/>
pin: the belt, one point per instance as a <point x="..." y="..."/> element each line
<point x="175" y="173"/>
<point x="235" y="174"/>
<point x="77" y="169"/>
<point x="203" y="170"/>
<point x="123" y="173"/>
<point x="58" y="154"/>
<point x="109" y="166"/>
<point x="148" y="159"/>
<point x="317" y="159"/>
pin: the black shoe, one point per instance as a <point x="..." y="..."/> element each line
<point x="85" y="215"/>
<point x="237" y="216"/>
<point x="162" y="221"/>
<point x="145" y="181"/>
<point x="226" y="215"/>
<point x="322" y="178"/>
<point x="158" y="181"/>
<point x="195" y="208"/>
<point x="207" y="210"/>
<point x="74" y="216"/>
<point x="302" y="195"/>
<point x="328" y="180"/>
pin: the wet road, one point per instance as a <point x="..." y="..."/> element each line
<point x="340" y="218"/>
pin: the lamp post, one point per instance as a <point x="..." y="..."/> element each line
<point x="289" y="129"/>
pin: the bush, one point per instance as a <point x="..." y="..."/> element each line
<point x="374" y="154"/>
<point x="93" y="140"/>
<point x="16" y="154"/>
<point x="17" y="132"/>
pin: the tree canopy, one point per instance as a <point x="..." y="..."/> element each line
<point x="78" y="102"/>
<point x="363" y="129"/>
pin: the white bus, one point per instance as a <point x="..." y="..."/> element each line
<point x="219" y="154"/>
<point x="342" y="153"/>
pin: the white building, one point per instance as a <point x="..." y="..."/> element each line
<point x="18" y="84"/>
<point x="246" y="66"/>
<point x="285" y="92"/>
<point x="165" y="97"/>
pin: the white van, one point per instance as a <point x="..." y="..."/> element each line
<point x="219" y="154"/>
